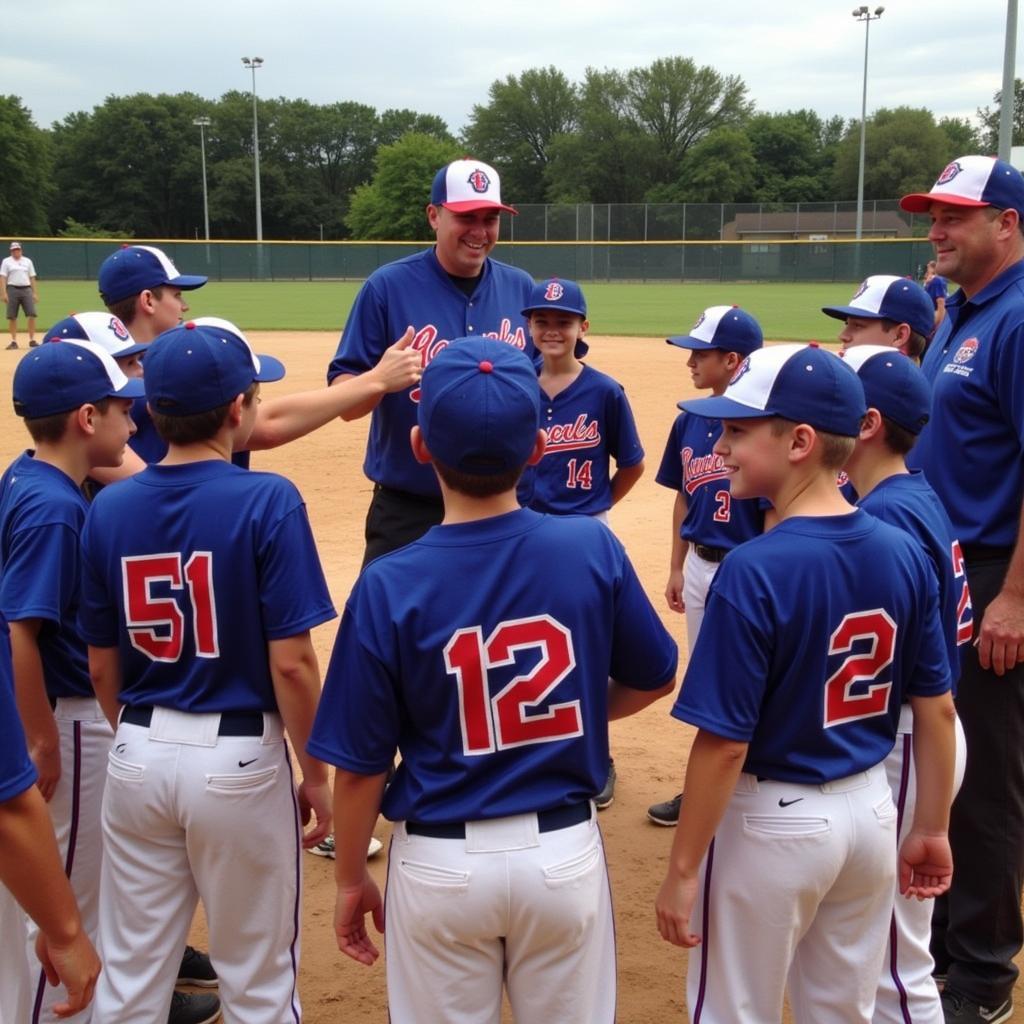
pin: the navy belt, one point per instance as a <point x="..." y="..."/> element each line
<point x="710" y="554"/>
<point x="547" y="821"/>
<point x="232" y="723"/>
<point x="985" y="553"/>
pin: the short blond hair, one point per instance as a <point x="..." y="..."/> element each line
<point x="836" y="449"/>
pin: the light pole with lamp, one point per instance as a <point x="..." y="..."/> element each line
<point x="253" y="63"/>
<point x="863" y="14"/>
<point x="203" y="123"/>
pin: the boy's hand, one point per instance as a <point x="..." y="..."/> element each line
<point x="315" y="800"/>
<point x="401" y="366"/>
<point x="350" y="910"/>
<point x="674" y="591"/>
<point x="925" y="865"/>
<point x="73" y="964"/>
<point x="673" y="908"/>
<point x="45" y="755"/>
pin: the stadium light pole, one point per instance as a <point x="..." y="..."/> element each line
<point x="1008" y="95"/>
<point x="863" y="14"/>
<point x="253" y="63"/>
<point x="203" y="123"/>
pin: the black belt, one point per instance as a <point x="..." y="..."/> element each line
<point x="710" y="554"/>
<point x="232" y="723"/>
<point x="984" y="553"/>
<point x="547" y="821"/>
<point x="433" y="500"/>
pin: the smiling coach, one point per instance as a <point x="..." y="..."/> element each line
<point x="972" y="452"/>
<point x="451" y="290"/>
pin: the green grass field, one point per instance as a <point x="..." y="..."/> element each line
<point x="787" y="312"/>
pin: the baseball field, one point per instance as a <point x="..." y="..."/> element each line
<point x="651" y="748"/>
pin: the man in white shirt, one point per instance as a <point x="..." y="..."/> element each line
<point x="18" y="289"/>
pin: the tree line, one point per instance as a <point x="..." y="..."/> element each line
<point x="670" y="132"/>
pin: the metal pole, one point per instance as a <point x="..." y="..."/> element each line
<point x="863" y="14"/>
<point x="1009" y="90"/>
<point x="203" y="123"/>
<point x="253" y="63"/>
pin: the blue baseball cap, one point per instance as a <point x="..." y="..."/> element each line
<point x="893" y="384"/>
<point x="103" y="329"/>
<point x="885" y="297"/>
<point x="972" y="181"/>
<point x="55" y="378"/>
<point x="201" y="365"/>
<point x="479" y="407"/>
<point x="134" y="268"/>
<point x="466" y="185"/>
<point x="802" y="383"/>
<point x="566" y="296"/>
<point x="726" y="328"/>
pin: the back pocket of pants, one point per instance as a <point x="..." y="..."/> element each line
<point x="778" y="826"/>
<point x="239" y="782"/>
<point x="123" y="770"/>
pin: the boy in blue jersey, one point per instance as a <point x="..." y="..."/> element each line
<point x="588" y="422"/>
<point x="898" y="399"/>
<point x="201" y="583"/>
<point x="76" y="405"/>
<point x="783" y="864"/>
<point x="707" y="522"/>
<point x="483" y="652"/>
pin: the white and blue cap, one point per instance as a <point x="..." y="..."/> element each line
<point x="201" y="365"/>
<point x="56" y="378"/>
<point x="893" y="384"/>
<point x="972" y="181"/>
<point x="134" y="268"/>
<point x="803" y="383"/>
<point x="556" y="293"/>
<point x="885" y="297"/>
<point x="103" y="329"/>
<point x="479" y="407"/>
<point x="726" y="328"/>
<point x="466" y="185"/>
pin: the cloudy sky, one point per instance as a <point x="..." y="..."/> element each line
<point x="440" y="56"/>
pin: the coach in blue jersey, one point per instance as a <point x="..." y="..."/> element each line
<point x="452" y="290"/>
<point x="972" y="452"/>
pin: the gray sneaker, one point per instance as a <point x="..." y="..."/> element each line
<point x="667" y="812"/>
<point x="607" y="795"/>
<point x="325" y="848"/>
<point x="958" y="1009"/>
<point x="193" y="1009"/>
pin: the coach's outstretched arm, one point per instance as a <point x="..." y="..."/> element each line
<point x="288" y="417"/>
<point x="31" y="868"/>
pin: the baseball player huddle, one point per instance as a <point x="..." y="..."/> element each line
<point x="160" y="653"/>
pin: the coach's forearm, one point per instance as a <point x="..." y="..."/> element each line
<point x="934" y="758"/>
<point x="356" y="807"/>
<point x="130" y="465"/>
<point x="624" y="701"/>
<point x="714" y="766"/>
<point x="31" y="868"/>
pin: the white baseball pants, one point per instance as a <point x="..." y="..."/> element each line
<point x="697" y="576"/>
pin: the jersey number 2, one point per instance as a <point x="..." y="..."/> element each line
<point x="841" y="704"/>
<point x="156" y="626"/>
<point x="499" y="722"/>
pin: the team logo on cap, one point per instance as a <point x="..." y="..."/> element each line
<point x="741" y="371"/>
<point x="698" y="322"/>
<point x="966" y="352"/>
<point x="554" y="292"/>
<point x="478" y="181"/>
<point x="860" y="291"/>
<point x="951" y="171"/>
<point x="119" y="330"/>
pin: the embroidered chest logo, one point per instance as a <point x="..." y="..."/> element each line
<point x="701" y="469"/>
<point x="571" y="437"/>
<point x="966" y="352"/>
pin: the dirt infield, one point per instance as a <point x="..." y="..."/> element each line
<point x="650" y="749"/>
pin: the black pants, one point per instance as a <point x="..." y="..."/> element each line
<point x="396" y="518"/>
<point x="976" y="929"/>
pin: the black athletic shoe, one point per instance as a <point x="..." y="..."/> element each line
<point x="196" y="969"/>
<point x="187" y="1008"/>
<point x="958" y="1009"/>
<point x="607" y="795"/>
<point x="32" y="343"/>
<point x="667" y="812"/>
<point x="12" y="345"/>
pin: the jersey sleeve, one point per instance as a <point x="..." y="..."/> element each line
<point x="624" y="446"/>
<point x="931" y="675"/>
<point x="98" y="614"/>
<point x="644" y="655"/>
<point x="670" y="472"/>
<point x="293" y="591"/>
<point x="17" y="772"/>
<point x="357" y="722"/>
<point x="40" y="579"/>
<point x="364" y="338"/>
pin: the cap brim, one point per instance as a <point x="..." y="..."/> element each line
<point x="131" y="350"/>
<point x="921" y="202"/>
<point x="135" y="388"/>
<point x="553" y="305"/>
<point x="685" y="341"/>
<point x="469" y="205"/>
<point x="271" y="369"/>
<point x="718" y="407"/>
<point x="842" y="312"/>
<point x="186" y="282"/>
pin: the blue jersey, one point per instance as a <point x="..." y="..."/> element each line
<point x="713" y="517"/>
<point x="417" y="291"/>
<point x="190" y="570"/>
<point x="972" y="449"/>
<point x="482" y="652"/>
<point x="906" y="501"/>
<point x="936" y="288"/>
<point x="813" y="635"/>
<point x="41" y="516"/>
<point x="16" y="770"/>
<point x="588" y="424"/>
